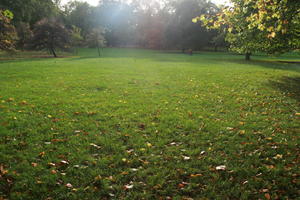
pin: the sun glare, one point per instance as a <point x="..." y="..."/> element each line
<point x="95" y="2"/>
<point x="91" y="2"/>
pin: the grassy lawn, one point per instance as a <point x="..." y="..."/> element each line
<point x="141" y="124"/>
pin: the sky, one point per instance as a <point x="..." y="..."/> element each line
<point x="92" y="2"/>
<point x="95" y="2"/>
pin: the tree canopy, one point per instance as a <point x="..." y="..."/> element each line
<point x="50" y="34"/>
<point x="249" y="26"/>
<point x="257" y="25"/>
<point x="8" y="35"/>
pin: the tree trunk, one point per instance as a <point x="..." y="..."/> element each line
<point x="98" y="51"/>
<point x="53" y="52"/>
<point x="247" y="56"/>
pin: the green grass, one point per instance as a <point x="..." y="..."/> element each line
<point x="85" y="127"/>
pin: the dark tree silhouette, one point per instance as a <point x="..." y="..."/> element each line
<point x="51" y="35"/>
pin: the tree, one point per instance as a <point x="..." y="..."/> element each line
<point x="24" y="34"/>
<point x="258" y="25"/>
<point x="30" y="11"/>
<point x="76" y="38"/>
<point x="182" y="32"/>
<point x="96" y="39"/>
<point x="279" y="20"/>
<point x="219" y="41"/>
<point x="8" y="35"/>
<point x="80" y="14"/>
<point x="51" y="35"/>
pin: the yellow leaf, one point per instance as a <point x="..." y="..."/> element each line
<point x="149" y="144"/>
<point x="196" y="175"/>
<point x="272" y="35"/>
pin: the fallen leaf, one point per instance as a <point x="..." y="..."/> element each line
<point x="127" y="187"/>
<point x="245" y="182"/>
<point x="278" y="156"/>
<point x="2" y="170"/>
<point x="221" y="168"/>
<point x="34" y="164"/>
<point x="186" y="158"/>
<point x="64" y="162"/>
<point x="265" y="190"/>
<point x="142" y="126"/>
<point x="69" y="185"/>
<point x="149" y="144"/>
<point x="51" y="164"/>
<point x="267" y="195"/>
<point x="196" y="175"/>
<point x="10" y="99"/>
<point x="42" y="154"/>
<point x="270" y="166"/>
<point x="58" y="140"/>
<point x="96" y="146"/>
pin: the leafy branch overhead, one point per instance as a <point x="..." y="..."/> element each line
<point x="271" y="26"/>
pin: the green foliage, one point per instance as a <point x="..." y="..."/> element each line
<point x="30" y="11"/>
<point x="266" y="26"/>
<point x="24" y="34"/>
<point x="77" y="39"/>
<point x="8" y="14"/>
<point x="80" y="14"/>
<point x="8" y="35"/>
<point x="182" y="32"/>
<point x="140" y="124"/>
<point x="96" y="38"/>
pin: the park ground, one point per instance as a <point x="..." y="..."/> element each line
<point x="142" y="124"/>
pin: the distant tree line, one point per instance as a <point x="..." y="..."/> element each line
<point x="155" y="24"/>
<point x="247" y="26"/>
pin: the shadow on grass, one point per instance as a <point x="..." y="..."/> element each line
<point x="270" y="64"/>
<point x="289" y="85"/>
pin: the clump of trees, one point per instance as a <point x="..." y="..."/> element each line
<point x="257" y="25"/>
<point x="139" y="23"/>
<point x="248" y="25"/>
